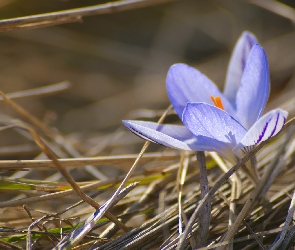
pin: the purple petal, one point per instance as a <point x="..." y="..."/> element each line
<point x="267" y="126"/>
<point x="213" y="127"/>
<point x="237" y="65"/>
<point x="186" y="84"/>
<point x="254" y="90"/>
<point x="168" y="135"/>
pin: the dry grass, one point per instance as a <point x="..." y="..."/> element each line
<point x="74" y="179"/>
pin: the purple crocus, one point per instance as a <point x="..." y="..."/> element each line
<point x="228" y="123"/>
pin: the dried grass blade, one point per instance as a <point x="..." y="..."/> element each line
<point x="152" y="189"/>
<point x="58" y="138"/>
<point x="41" y="91"/>
<point x="135" y="164"/>
<point x="19" y="202"/>
<point x="255" y="195"/>
<point x="235" y="180"/>
<point x="73" y="15"/>
<point x="47" y="151"/>
<point x="184" y="161"/>
<point x="72" y="182"/>
<point x="232" y="210"/>
<point x="221" y="180"/>
<point x="78" y="234"/>
<point x="279" y="241"/>
<point x="79" y="162"/>
<point x="276" y="7"/>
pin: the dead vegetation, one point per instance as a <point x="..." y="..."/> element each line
<point x="74" y="179"/>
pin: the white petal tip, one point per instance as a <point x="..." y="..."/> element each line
<point x="266" y="127"/>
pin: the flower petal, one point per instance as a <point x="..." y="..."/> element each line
<point x="237" y="65"/>
<point x="186" y="84"/>
<point x="254" y="90"/>
<point x="213" y="127"/>
<point x="267" y="126"/>
<point x="168" y="135"/>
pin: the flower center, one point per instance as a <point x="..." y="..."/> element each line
<point x="217" y="101"/>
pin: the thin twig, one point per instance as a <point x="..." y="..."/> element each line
<point x="112" y="200"/>
<point x="145" y="146"/>
<point x="74" y="15"/>
<point x="235" y="180"/>
<point x="80" y="162"/>
<point x="289" y="239"/>
<point x="262" y="247"/>
<point x="39" y="92"/>
<point x="71" y="181"/>
<point x="152" y="189"/>
<point x="220" y="182"/>
<point x="79" y="233"/>
<point x="30" y="228"/>
<point x="253" y="198"/>
<point x="235" y="193"/>
<point x="182" y="171"/>
<point x="57" y="137"/>
<point x="61" y="194"/>
<point x="47" y="151"/>
<point x="276" y="7"/>
<point x="282" y="235"/>
<point x="232" y="210"/>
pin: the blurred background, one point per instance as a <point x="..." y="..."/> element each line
<point x="117" y="63"/>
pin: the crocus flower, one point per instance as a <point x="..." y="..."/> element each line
<point x="228" y="123"/>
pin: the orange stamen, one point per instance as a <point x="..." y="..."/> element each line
<point x="217" y="101"/>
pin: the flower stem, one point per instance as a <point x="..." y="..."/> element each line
<point x="205" y="215"/>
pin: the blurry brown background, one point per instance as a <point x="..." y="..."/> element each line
<point x="117" y="62"/>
